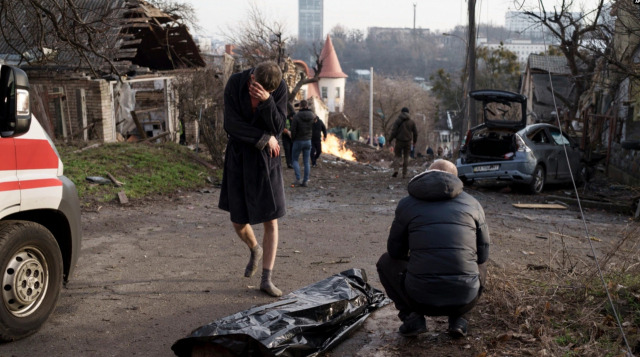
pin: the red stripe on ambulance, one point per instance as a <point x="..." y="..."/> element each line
<point x="33" y="154"/>
<point x="9" y="186"/>
<point x="7" y="148"/>
<point x="30" y="184"/>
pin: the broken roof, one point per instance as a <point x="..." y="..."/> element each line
<point x="123" y="32"/>
<point x="550" y="64"/>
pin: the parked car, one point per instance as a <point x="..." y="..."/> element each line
<point x="505" y="148"/>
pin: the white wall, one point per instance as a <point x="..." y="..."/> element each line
<point x="334" y="104"/>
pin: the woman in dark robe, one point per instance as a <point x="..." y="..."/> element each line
<point x="255" y="108"/>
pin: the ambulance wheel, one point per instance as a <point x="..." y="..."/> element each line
<point x="31" y="266"/>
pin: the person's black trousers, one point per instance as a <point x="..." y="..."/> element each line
<point x="288" y="144"/>
<point x="391" y="272"/>
<point x="316" y="150"/>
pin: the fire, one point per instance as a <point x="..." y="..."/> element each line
<point x="334" y="146"/>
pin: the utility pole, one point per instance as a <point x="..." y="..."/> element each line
<point x="371" y="107"/>
<point x="471" y="65"/>
<point x="414" y="16"/>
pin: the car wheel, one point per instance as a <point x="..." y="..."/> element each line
<point x="538" y="180"/>
<point x="31" y="277"/>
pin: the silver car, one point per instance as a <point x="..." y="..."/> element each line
<point x="504" y="148"/>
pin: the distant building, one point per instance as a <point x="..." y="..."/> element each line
<point x="526" y="27"/>
<point x="310" y="18"/>
<point x="331" y="80"/>
<point x="522" y="48"/>
<point x="396" y="33"/>
<point x="204" y="44"/>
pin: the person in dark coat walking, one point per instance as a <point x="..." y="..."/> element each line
<point x="255" y="107"/>
<point x="287" y="142"/>
<point x="436" y="252"/>
<point x="318" y="134"/>
<point x="405" y="133"/>
<point x="301" y="131"/>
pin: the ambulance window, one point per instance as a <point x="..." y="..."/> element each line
<point x="7" y="101"/>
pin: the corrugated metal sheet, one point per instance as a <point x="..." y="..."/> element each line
<point x="551" y="64"/>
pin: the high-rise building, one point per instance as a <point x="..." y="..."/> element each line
<point x="524" y="26"/>
<point x="310" y="20"/>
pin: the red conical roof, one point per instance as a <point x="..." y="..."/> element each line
<point x="330" y="64"/>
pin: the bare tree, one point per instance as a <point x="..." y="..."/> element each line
<point x="182" y="12"/>
<point x="576" y="34"/>
<point x="82" y="33"/>
<point x="65" y="32"/>
<point x="258" y="39"/>
<point x="389" y="97"/>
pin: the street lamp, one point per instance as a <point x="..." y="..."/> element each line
<point x="456" y="36"/>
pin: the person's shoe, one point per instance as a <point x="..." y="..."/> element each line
<point x="458" y="327"/>
<point x="296" y="183"/>
<point x="304" y="184"/>
<point x="413" y="325"/>
<point x="395" y="174"/>
<point x="314" y="165"/>
<point x="289" y="166"/>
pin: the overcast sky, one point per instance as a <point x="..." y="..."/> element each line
<point x="217" y="16"/>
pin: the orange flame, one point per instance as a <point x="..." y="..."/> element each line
<point x="334" y="146"/>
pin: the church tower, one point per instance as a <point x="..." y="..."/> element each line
<point x="332" y="80"/>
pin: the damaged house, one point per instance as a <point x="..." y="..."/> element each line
<point x="100" y="69"/>
<point x="542" y="74"/>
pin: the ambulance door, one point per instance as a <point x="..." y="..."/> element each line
<point x="9" y="186"/>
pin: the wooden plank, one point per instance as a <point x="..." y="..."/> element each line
<point x="142" y="111"/>
<point x="539" y="205"/>
<point x="141" y="131"/>
<point x="113" y="179"/>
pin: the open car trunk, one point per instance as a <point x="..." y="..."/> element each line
<point x="502" y="116"/>
<point x="489" y="144"/>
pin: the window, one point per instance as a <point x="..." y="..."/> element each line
<point x="338" y="92"/>
<point x="324" y="92"/>
<point x="559" y="137"/>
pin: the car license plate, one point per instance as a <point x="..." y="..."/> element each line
<point x="485" y="168"/>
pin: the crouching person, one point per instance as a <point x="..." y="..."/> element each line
<point x="436" y="252"/>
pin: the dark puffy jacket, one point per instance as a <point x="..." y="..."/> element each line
<point x="404" y="129"/>
<point x="441" y="230"/>
<point x="301" y="125"/>
<point x="318" y="130"/>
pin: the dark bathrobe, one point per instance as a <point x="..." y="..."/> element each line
<point x="252" y="187"/>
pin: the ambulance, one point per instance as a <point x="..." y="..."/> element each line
<point x="40" y="229"/>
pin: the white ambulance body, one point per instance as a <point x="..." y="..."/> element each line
<point x="40" y="229"/>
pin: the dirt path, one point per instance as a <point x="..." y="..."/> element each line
<point x="150" y="273"/>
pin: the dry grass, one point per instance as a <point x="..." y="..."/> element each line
<point x="563" y="309"/>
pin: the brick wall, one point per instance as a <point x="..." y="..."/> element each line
<point x="56" y="94"/>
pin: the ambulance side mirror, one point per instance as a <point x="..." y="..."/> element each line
<point x="15" y="114"/>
